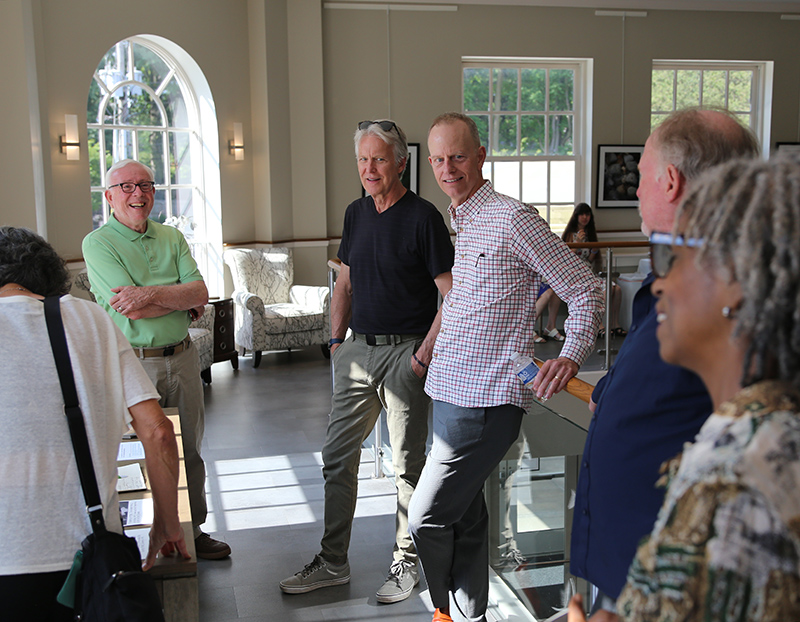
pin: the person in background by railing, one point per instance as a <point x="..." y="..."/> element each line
<point x="645" y="408"/>
<point x="396" y="258"/>
<point x="726" y="545"/>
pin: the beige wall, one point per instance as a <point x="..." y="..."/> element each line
<point x="299" y="77"/>
<point x="425" y="54"/>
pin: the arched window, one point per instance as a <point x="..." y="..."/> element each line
<point x="144" y="105"/>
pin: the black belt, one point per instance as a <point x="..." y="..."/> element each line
<point x="385" y="340"/>
<point x="173" y="348"/>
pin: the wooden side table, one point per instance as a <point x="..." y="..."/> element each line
<point x="224" y="346"/>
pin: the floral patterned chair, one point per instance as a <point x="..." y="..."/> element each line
<point x="271" y="312"/>
<point x="201" y="331"/>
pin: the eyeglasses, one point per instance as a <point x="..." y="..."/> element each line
<point x="386" y="126"/>
<point x="662" y="254"/>
<point x="128" y="187"/>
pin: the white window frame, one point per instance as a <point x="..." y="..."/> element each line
<point x="582" y="118"/>
<point x="761" y="95"/>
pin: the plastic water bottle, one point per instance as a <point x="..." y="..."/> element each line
<point x="524" y="368"/>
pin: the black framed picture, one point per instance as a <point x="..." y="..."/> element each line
<point x="410" y="176"/>
<point x="787" y="147"/>
<point x="618" y="175"/>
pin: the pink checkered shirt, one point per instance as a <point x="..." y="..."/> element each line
<point x="504" y="249"/>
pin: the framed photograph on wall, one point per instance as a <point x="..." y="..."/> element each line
<point x="618" y="175"/>
<point x="787" y="147"/>
<point x="410" y="176"/>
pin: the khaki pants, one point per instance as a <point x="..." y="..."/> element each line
<point x="368" y="378"/>
<point x="177" y="380"/>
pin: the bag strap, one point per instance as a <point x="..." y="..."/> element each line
<point x="77" y="427"/>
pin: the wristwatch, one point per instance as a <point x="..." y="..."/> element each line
<point x="333" y="342"/>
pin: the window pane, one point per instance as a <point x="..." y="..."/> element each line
<point x="506" y="178"/>
<point x="476" y="88"/>
<point x="180" y="157"/>
<point x="561" y="135"/>
<point x="533" y="89"/>
<point x="714" y="88"/>
<point x="661" y="95"/>
<point x="688" y="91"/>
<point x="747" y="119"/>
<point x="151" y="152"/>
<point x="482" y="121"/>
<point x="97" y="209"/>
<point x="534" y="182"/>
<point x="132" y="105"/>
<point x="93" y="103"/>
<point x="159" y="213"/>
<point x="562" y="182"/>
<point x="182" y="207"/>
<point x="740" y="91"/>
<point x="486" y="171"/>
<point x="94" y="156"/>
<point x="173" y="101"/>
<point x="150" y="69"/>
<point x="532" y="135"/>
<point x="111" y="69"/>
<point x="559" y="217"/>
<point x="505" y="135"/>
<point x="505" y="89"/>
<point x="119" y="145"/>
<point x="561" y="90"/>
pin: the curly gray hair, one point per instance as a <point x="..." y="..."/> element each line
<point x="748" y="213"/>
<point x="28" y="260"/>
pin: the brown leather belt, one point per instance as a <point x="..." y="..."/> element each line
<point x="173" y="348"/>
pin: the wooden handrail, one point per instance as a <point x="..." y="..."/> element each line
<point x="575" y="387"/>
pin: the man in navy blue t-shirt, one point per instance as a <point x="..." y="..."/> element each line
<point x="396" y="258"/>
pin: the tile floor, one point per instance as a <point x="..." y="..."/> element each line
<point x="264" y="432"/>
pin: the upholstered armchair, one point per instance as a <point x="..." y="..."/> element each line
<point x="271" y="312"/>
<point x="201" y="331"/>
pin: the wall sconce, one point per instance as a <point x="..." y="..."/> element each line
<point x="236" y="146"/>
<point x="70" y="143"/>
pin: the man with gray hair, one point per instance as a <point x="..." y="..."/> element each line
<point x="396" y="257"/>
<point x="645" y="409"/>
<point x="144" y="276"/>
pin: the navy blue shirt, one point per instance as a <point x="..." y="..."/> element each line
<point x="646" y="411"/>
<point x="394" y="257"/>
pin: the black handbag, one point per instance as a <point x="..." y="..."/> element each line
<point x="111" y="586"/>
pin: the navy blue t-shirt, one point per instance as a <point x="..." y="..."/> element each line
<point x="393" y="258"/>
<point x="646" y="411"/>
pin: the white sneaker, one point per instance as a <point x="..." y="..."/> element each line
<point x="403" y="576"/>
<point x="319" y="573"/>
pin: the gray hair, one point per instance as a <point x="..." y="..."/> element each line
<point x="28" y="260"/>
<point x="448" y="118"/>
<point x="692" y="140"/>
<point x="123" y="164"/>
<point x="395" y="139"/>
<point x="748" y="213"/>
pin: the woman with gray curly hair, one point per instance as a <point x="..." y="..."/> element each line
<point x="726" y="543"/>
<point x="44" y="517"/>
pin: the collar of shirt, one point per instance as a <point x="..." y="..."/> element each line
<point x="469" y="209"/>
<point x="129" y="233"/>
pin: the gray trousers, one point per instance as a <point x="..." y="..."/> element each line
<point x="448" y="518"/>
<point x="177" y="380"/>
<point x="366" y="379"/>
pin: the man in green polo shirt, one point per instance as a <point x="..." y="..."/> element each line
<point x="143" y="275"/>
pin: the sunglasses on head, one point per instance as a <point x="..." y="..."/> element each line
<point x="662" y="254"/>
<point x="386" y="126"/>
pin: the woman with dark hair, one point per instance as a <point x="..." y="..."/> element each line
<point x="726" y="544"/>
<point x="41" y="501"/>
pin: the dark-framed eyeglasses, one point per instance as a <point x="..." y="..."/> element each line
<point x="662" y="254"/>
<point x="128" y="187"/>
<point x="386" y="126"/>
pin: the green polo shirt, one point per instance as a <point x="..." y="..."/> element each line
<point x="116" y="256"/>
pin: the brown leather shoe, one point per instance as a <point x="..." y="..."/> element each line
<point x="207" y="548"/>
<point x="441" y="616"/>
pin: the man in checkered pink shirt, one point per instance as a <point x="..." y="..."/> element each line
<point x="503" y="251"/>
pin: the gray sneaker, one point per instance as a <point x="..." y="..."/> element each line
<point x="403" y="576"/>
<point x="319" y="573"/>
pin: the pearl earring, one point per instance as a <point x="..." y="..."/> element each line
<point x="727" y="312"/>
